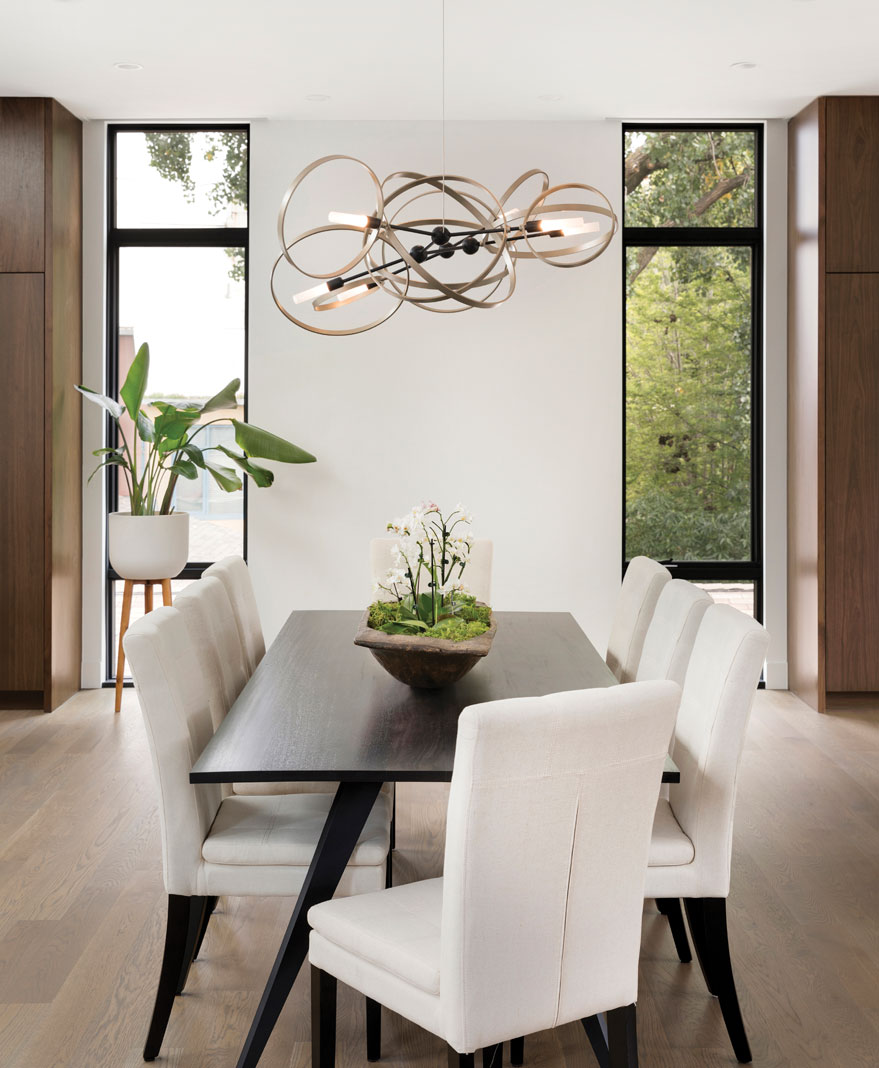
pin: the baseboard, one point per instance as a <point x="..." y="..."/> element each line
<point x="776" y="674"/>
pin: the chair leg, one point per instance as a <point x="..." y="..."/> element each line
<point x="373" y="1030"/>
<point x="323" y="1019"/>
<point x="147" y="597"/>
<point x="597" y="1039"/>
<point x="622" y="1038"/>
<point x="459" y="1060"/>
<point x="166" y="592"/>
<point x="172" y="963"/>
<point x="210" y="905"/>
<point x="517" y="1052"/>
<point x="707" y="918"/>
<point x="493" y="1056"/>
<point x="197" y="920"/>
<point x="670" y="907"/>
<point x="127" y="591"/>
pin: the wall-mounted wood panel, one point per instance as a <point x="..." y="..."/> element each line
<point x="22" y="528"/>
<point x="852" y="494"/>
<point x="22" y="185"/>
<point x="852" y="191"/>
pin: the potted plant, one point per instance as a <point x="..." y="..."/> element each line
<point x="428" y="631"/>
<point x="153" y="540"/>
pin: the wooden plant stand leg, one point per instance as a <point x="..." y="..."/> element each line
<point x="123" y="626"/>
<point x="166" y="592"/>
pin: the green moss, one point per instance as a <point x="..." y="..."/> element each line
<point x="469" y="623"/>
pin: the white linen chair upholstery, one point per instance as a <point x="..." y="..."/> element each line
<point x="515" y="939"/>
<point x="233" y="573"/>
<point x="691" y="846"/>
<point x="477" y="574"/>
<point x="213" y="845"/>
<point x="639" y="593"/>
<point x="671" y="634"/>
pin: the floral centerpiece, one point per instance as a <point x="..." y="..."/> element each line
<point x="426" y="628"/>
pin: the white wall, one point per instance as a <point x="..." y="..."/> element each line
<point x="515" y="411"/>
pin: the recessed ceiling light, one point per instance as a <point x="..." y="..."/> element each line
<point x="550" y="98"/>
<point x="318" y="98"/>
<point x="128" y="66"/>
<point x="743" y="65"/>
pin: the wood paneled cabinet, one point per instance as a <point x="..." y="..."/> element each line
<point x="41" y="360"/>
<point x="833" y="399"/>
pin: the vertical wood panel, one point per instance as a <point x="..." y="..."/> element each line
<point x="21" y="513"/>
<point x="22" y="165"/>
<point x="852" y="194"/>
<point x="852" y="526"/>
<point x="805" y="408"/>
<point x="63" y="619"/>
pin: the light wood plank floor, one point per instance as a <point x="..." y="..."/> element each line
<point x="82" y="911"/>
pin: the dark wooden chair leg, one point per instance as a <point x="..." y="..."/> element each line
<point x="597" y="1039"/>
<point x="493" y="1056"/>
<point x="172" y="963"/>
<point x="210" y="905"/>
<point x="622" y="1038"/>
<point x="373" y="1030"/>
<point x="459" y="1060"/>
<point x="707" y="918"/>
<point x="670" y="907"/>
<point x="517" y="1052"/>
<point x="323" y="1019"/>
<point x="197" y="910"/>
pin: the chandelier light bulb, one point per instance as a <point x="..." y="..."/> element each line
<point x="318" y="291"/>
<point x="362" y="222"/>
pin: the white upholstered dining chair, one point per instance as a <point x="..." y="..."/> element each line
<point x="477" y="574"/>
<point x="671" y="634"/>
<point x="642" y="585"/>
<point x="691" y="846"/>
<point x="214" y="845"/>
<point x="232" y="571"/>
<point x="515" y="940"/>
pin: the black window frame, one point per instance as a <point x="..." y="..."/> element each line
<point x="752" y="237"/>
<point x="163" y="237"/>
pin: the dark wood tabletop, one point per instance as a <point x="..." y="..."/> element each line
<point x="319" y="707"/>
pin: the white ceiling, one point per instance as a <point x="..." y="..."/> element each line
<point x="381" y="59"/>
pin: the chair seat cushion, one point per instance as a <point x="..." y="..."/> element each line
<point x="669" y="846"/>
<point x="283" y="829"/>
<point x="397" y="930"/>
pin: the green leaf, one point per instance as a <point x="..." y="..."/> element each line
<point x="402" y="628"/>
<point x="134" y="387"/>
<point x="174" y="423"/>
<point x="226" y="398"/>
<point x="108" y="461"/>
<point x="258" y="442"/>
<point x="194" y="453"/>
<point x="101" y="452"/>
<point x="224" y="477"/>
<point x="425" y="606"/>
<point x="185" y="468"/>
<point x="260" y="475"/>
<point x="146" y="430"/>
<point x="113" y="407"/>
<point x="166" y="445"/>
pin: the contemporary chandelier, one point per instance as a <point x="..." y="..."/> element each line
<point x="441" y="242"/>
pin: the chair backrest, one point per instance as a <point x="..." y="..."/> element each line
<point x="548" y="828"/>
<point x="709" y="735"/>
<point x="210" y="620"/>
<point x="232" y="572"/>
<point x="477" y="574"/>
<point x="639" y="593"/>
<point x="671" y="635"/>
<point x="173" y="698"/>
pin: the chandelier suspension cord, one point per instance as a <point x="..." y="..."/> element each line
<point x="444" y="106"/>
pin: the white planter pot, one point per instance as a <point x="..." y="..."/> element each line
<point x="148" y="546"/>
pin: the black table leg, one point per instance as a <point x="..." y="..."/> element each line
<point x="351" y="807"/>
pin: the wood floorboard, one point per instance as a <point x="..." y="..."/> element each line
<point x="82" y="911"/>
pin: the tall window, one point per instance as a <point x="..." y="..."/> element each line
<point x="177" y="279"/>
<point x="693" y="240"/>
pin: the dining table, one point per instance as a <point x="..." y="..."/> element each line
<point x="319" y="708"/>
